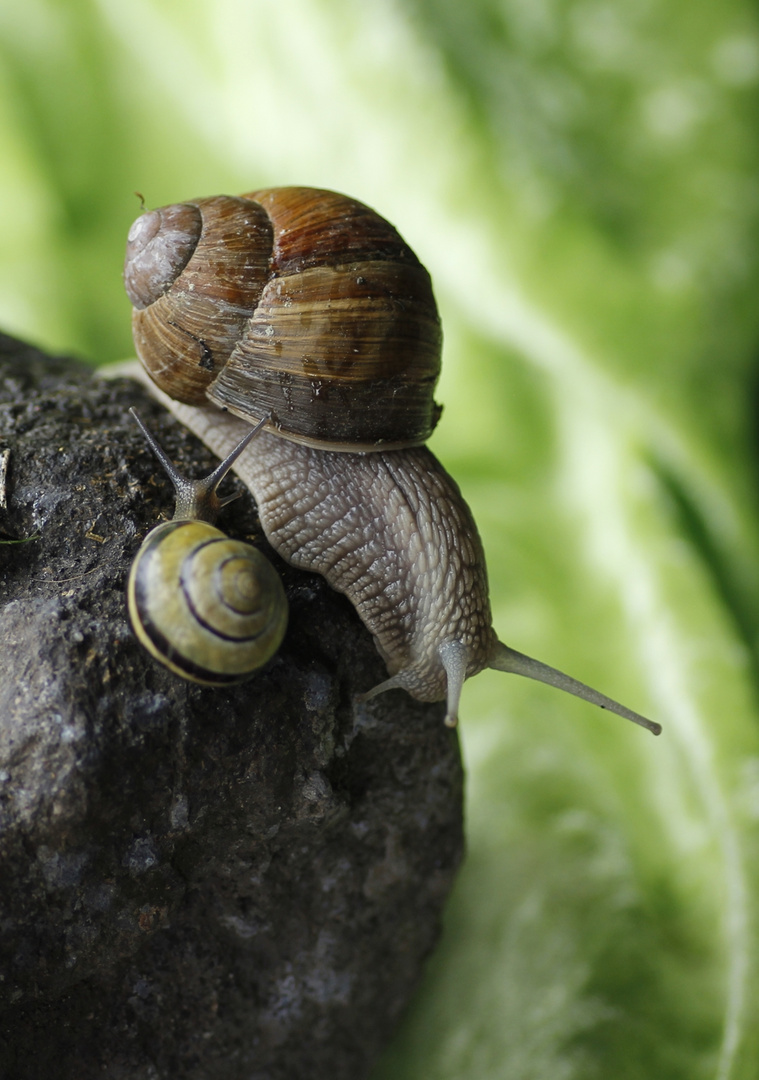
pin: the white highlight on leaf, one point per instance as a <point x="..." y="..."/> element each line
<point x="735" y="60"/>
<point x="593" y="415"/>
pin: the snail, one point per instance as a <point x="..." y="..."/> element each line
<point x="207" y="607"/>
<point x="306" y="307"/>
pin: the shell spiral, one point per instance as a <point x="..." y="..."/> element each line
<point x="209" y="608"/>
<point x="295" y="302"/>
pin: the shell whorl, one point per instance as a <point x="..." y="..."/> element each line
<point x="295" y="302"/>
<point x="159" y="246"/>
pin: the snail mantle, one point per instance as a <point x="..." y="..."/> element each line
<point x="195" y="882"/>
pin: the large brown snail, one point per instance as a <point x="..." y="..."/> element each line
<point x="307" y="307"/>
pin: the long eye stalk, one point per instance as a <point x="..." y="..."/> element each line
<point x="506" y="659"/>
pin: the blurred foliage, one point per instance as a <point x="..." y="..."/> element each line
<point x="580" y="177"/>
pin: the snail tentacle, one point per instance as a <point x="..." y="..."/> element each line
<point x="507" y="659"/>
<point x="197" y="499"/>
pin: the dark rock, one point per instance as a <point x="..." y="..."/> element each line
<point x="195" y="883"/>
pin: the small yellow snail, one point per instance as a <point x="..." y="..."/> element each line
<point x="307" y="305"/>
<point x="209" y="608"/>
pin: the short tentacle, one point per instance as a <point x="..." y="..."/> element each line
<point x="395" y="683"/>
<point x="454" y="656"/>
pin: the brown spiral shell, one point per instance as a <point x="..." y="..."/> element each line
<point x="293" y="301"/>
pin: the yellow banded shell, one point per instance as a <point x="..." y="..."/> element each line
<point x="210" y="608"/>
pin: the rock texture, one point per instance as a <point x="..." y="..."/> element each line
<point x="194" y="883"/>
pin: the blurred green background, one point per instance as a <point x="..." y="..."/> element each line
<point x="580" y="178"/>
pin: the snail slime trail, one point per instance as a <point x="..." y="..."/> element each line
<point x="241" y="306"/>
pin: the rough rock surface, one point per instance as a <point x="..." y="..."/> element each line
<point x="194" y="883"/>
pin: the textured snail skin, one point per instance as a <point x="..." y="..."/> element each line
<point x="389" y="530"/>
<point x="416" y="575"/>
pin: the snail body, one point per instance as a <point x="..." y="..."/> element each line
<point x="377" y="516"/>
<point x="209" y="608"/>
<point x="333" y="528"/>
